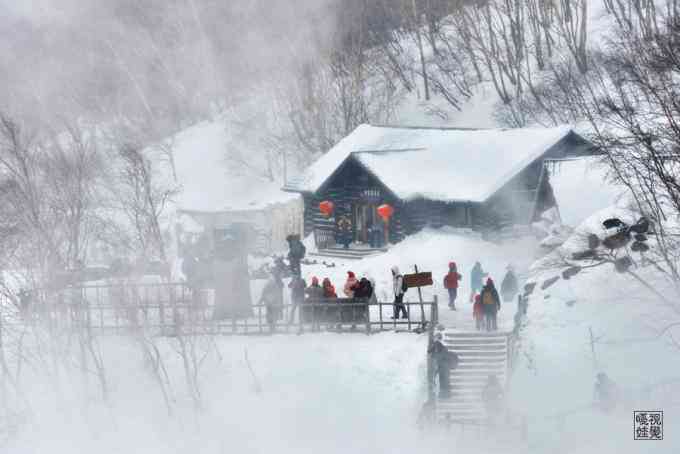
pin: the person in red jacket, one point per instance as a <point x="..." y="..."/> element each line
<point x="451" y="284"/>
<point x="478" y="312"/>
<point x="328" y="289"/>
<point x="350" y="285"/>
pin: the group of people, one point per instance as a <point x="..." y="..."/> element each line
<point x="485" y="297"/>
<point x="301" y="293"/>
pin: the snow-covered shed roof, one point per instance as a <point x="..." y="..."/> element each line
<point x="436" y="163"/>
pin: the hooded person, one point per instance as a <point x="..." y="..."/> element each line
<point x="491" y="303"/>
<point x="509" y="286"/>
<point x="296" y="253"/>
<point x="478" y="312"/>
<point x="492" y="396"/>
<point x="451" y="281"/>
<point x="605" y="393"/>
<point x="445" y="360"/>
<point x="477" y="274"/>
<point x="314" y="296"/>
<point x="350" y="284"/>
<point x="329" y="313"/>
<point x="328" y="289"/>
<point x="297" y="294"/>
<point x="399" y="289"/>
<point x="364" y="289"/>
<point x="272" y="298"/>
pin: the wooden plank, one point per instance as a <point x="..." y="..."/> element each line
<point x="418" y="279"/>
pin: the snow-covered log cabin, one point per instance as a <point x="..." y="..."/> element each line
<point x="472" y="178"/>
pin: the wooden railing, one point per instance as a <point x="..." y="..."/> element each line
<point x="166" y="308"/>
<point x="324" y="238"/>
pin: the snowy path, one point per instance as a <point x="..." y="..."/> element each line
<point x="461" y="319"/>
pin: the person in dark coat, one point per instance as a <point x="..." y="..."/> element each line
<point x="344" y="231"/>
<point x="492" y="396"/>
<point x="330" y="312"/>
<point x="477" y="274"/>
<point x="605" y="393"/>
<point x="314" y="296"/>
<point x="297" y="295"/>
<point x="272" y="298"/>
<point x="296" y="253"/>
<point x="397" y="285"/>
<point x="444" y="362"/>
<point x="491" y="303"/>
<point x="364" y="289"/>
<point x="451" y="281"/>
<point x="509" y="286"/>
<point x="363" y="292"/>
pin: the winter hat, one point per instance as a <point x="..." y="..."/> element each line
<point x="350" y="274"/>
<point x="489" y="281"/>
<point x="452" y="265"/>
<point x="315" y="280"/>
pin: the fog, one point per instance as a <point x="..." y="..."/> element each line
<point x="94" y="94"/>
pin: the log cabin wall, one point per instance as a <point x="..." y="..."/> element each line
<point x="520" y="201"/>
<point x="352" y="184"/>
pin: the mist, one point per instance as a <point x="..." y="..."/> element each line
<point x="121" y="119"/>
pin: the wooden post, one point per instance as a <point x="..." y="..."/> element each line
<point x="387" y="231"/>
<point x="380" y="306"/>
<point x="420" y="297"/>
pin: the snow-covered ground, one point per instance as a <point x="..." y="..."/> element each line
<point x="557" y="364"/>
<point x="324" y="393"/>
<point x="328" y="392"/>
<point x="432" y="250"/>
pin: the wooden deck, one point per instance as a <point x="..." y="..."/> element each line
<point x="173" y="308"/>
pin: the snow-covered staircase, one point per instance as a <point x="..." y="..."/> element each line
<point x="481" y="354"/>
<point x="338" y="252"/>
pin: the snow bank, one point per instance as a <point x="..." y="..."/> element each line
<point x="557" y="366"/>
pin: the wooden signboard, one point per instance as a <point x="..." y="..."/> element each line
<point x="418" y="279"/>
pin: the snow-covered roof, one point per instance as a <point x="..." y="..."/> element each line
<point x="202" y="174"/>
<point x="436" y="163"/>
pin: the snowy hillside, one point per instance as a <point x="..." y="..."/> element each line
<point x="208" y="182"/>
<point x="557" y="363"/>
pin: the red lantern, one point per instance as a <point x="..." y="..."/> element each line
<point x="385" y="211"/>
<point x="326" y="207"/>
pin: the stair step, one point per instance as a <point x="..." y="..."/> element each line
<point x="480" y="354"/>
<point x="470" y="342"/>
<point x="477" y="334"/>
<point x="484" y="348"/>
<point x="480" y="376"/>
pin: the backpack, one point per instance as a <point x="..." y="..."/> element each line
<point x="404" y="287"/>
<point x="297" y="249"/>
<point x="487" y="298"/>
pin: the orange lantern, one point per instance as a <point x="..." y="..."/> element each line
<point x="326" y="207"/>
<point x="385" y="211"/>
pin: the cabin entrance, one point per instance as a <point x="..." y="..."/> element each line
<point x="365" y="219"/>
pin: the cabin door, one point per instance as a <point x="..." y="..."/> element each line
<point x="365" y="216"/>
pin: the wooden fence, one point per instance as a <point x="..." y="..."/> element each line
<point x="168" y="307"/>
